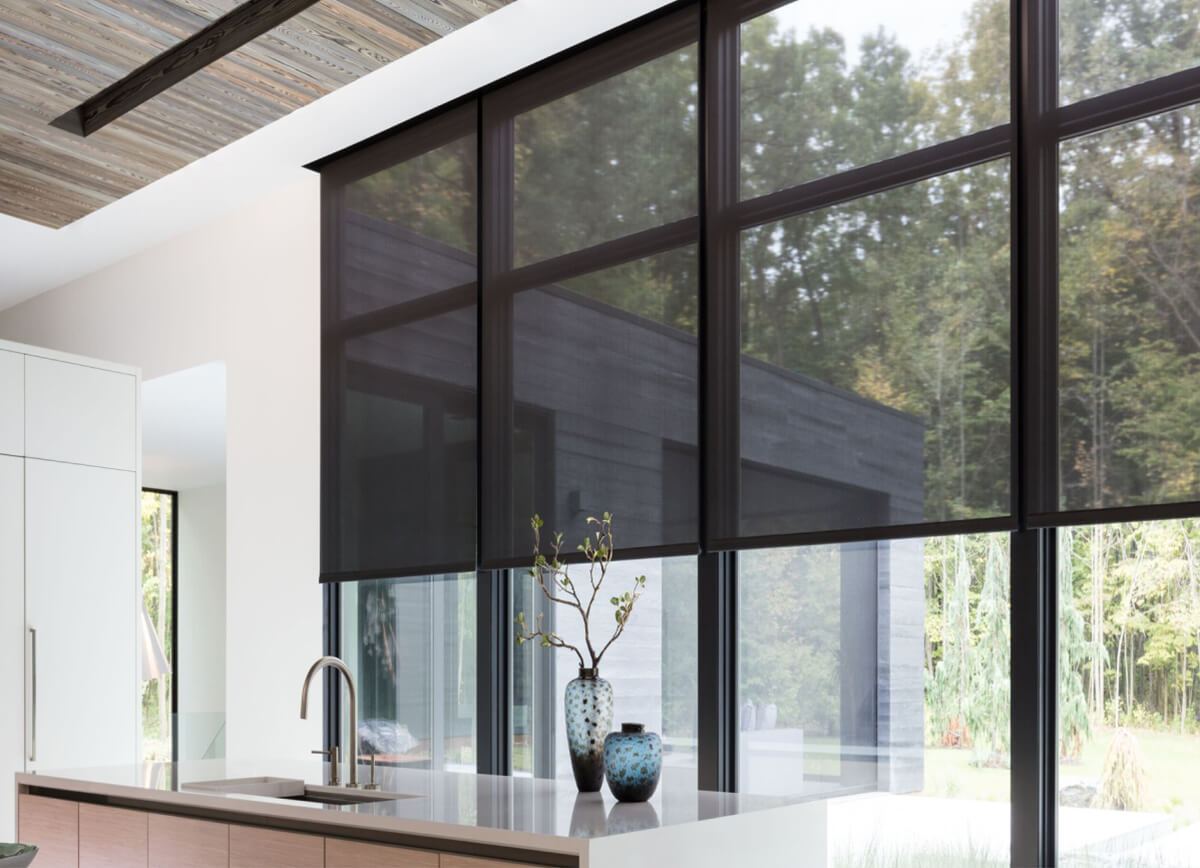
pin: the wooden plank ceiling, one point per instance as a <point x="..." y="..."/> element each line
<point x="55" y="54"/>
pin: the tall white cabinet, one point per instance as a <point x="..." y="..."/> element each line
<point x="69" y="579"/>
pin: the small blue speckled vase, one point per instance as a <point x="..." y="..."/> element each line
<point x="589" y="713"/>
<point x="633" y="762"/>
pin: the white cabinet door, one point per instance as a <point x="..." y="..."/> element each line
<point x="81" y="544"/>
<point x="80" y="414"/>
<point x="12" y="637"/>
<point x="12" y="403"/>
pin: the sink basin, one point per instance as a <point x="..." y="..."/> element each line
<point x="294" y="790"/>
<point x="331" y="796"/>
<point x="278" y="788"/>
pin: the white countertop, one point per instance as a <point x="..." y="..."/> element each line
<point x="518" y="812"/>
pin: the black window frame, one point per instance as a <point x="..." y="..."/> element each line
<point x="1030" y="140"/>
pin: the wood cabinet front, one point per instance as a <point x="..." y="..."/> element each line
<point x="181" y="842"/>
<point x="74" y="835"/>
<point x="340" y="853"/>
<point x="450" y="860"/>
<point x="53" y="825"/>
<point x="251" y="847"/>
<point x="112" y="837"/>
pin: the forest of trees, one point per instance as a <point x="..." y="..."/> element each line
<point x="1129" y="635"/>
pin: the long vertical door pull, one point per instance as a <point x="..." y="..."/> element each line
<point x="32" y="695"/>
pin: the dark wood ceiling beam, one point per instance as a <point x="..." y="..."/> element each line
<point x="228" y="33"/>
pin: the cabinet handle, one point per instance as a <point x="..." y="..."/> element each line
<point x="33" y="695"/>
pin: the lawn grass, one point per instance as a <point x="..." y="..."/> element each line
<point x="1172" y="767"/>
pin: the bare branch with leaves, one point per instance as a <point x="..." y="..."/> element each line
<point x="553" y="577"/>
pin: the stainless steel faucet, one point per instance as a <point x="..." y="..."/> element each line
<point x="352" y="756"/>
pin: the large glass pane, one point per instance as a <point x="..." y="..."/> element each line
<point x="1105" y="45"/>
<point x="1129" y="697"/>
<point x="605" y="405"/>
<point x="1129" y="315"/>
<point x="406" y="462"/>
<point x="411" y="646"/>
<point x="606" y="161"/>
<point x="826" y="87"/>
<point x="876" y="362"/>
<point x="876" y="675"/>
<point x="409" y="230"/>
<point x="652" y="667"/>
<point x="399" y="475"/>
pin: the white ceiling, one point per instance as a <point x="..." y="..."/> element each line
<point x="34" y="258"/>
<point x="183" y="428"/>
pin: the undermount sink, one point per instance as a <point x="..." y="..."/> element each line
<point x="330" y="796"/>
<point x="294" y="790"/>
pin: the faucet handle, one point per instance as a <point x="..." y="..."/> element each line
<point x="332" y="754"/>
<point x="372" y="785"/>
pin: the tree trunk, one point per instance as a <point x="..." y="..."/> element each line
<point x="1183" y="700"/>
<point x="1099" y="560"/>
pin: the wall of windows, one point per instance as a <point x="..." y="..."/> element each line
<point x="842" y="319"/>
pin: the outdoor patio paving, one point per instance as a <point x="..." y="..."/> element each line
<point x="898" y="828"/>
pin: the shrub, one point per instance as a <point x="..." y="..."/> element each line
<point x="1123" y="783"/>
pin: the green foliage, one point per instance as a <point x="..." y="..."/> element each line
<point x="790" y="655"/>
<point x="1074" y="727"/>
<point x="968" y="683"/>
<point x="988" y="713"/>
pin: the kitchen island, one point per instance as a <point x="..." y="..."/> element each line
<point x="222" y="813"/>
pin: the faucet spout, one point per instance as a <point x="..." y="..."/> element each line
<point x="340" y="666"/>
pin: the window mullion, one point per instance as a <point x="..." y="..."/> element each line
<point x="493" y="680"/>
<point x="716" y="661"/>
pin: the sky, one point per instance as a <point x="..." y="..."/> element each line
<point x="919" y="24"/>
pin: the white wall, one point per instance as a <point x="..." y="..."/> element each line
<point x="243" y="290"/>
<point x="201" y="588"/>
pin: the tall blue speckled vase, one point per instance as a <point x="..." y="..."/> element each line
<point x="633" y="762"/>
<point x="589" y="714"/>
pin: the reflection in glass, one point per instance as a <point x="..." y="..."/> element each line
<point x="614" y="158"/>
<point x="1110" y="44"/>
<point x="605" y="404"/>
<point x="652" y="668"/>
<point x="881" y="668"/>
<point x="829" y="87"/>
<point x="1129" y="701"/>
<point x="407" y="457"/>
<point x="876" y="367"/>
<point x="409" y="230"/>
<point x="403" y="487"/>
<point x="411" y="646"/>
<point x="1129" y="315"/>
